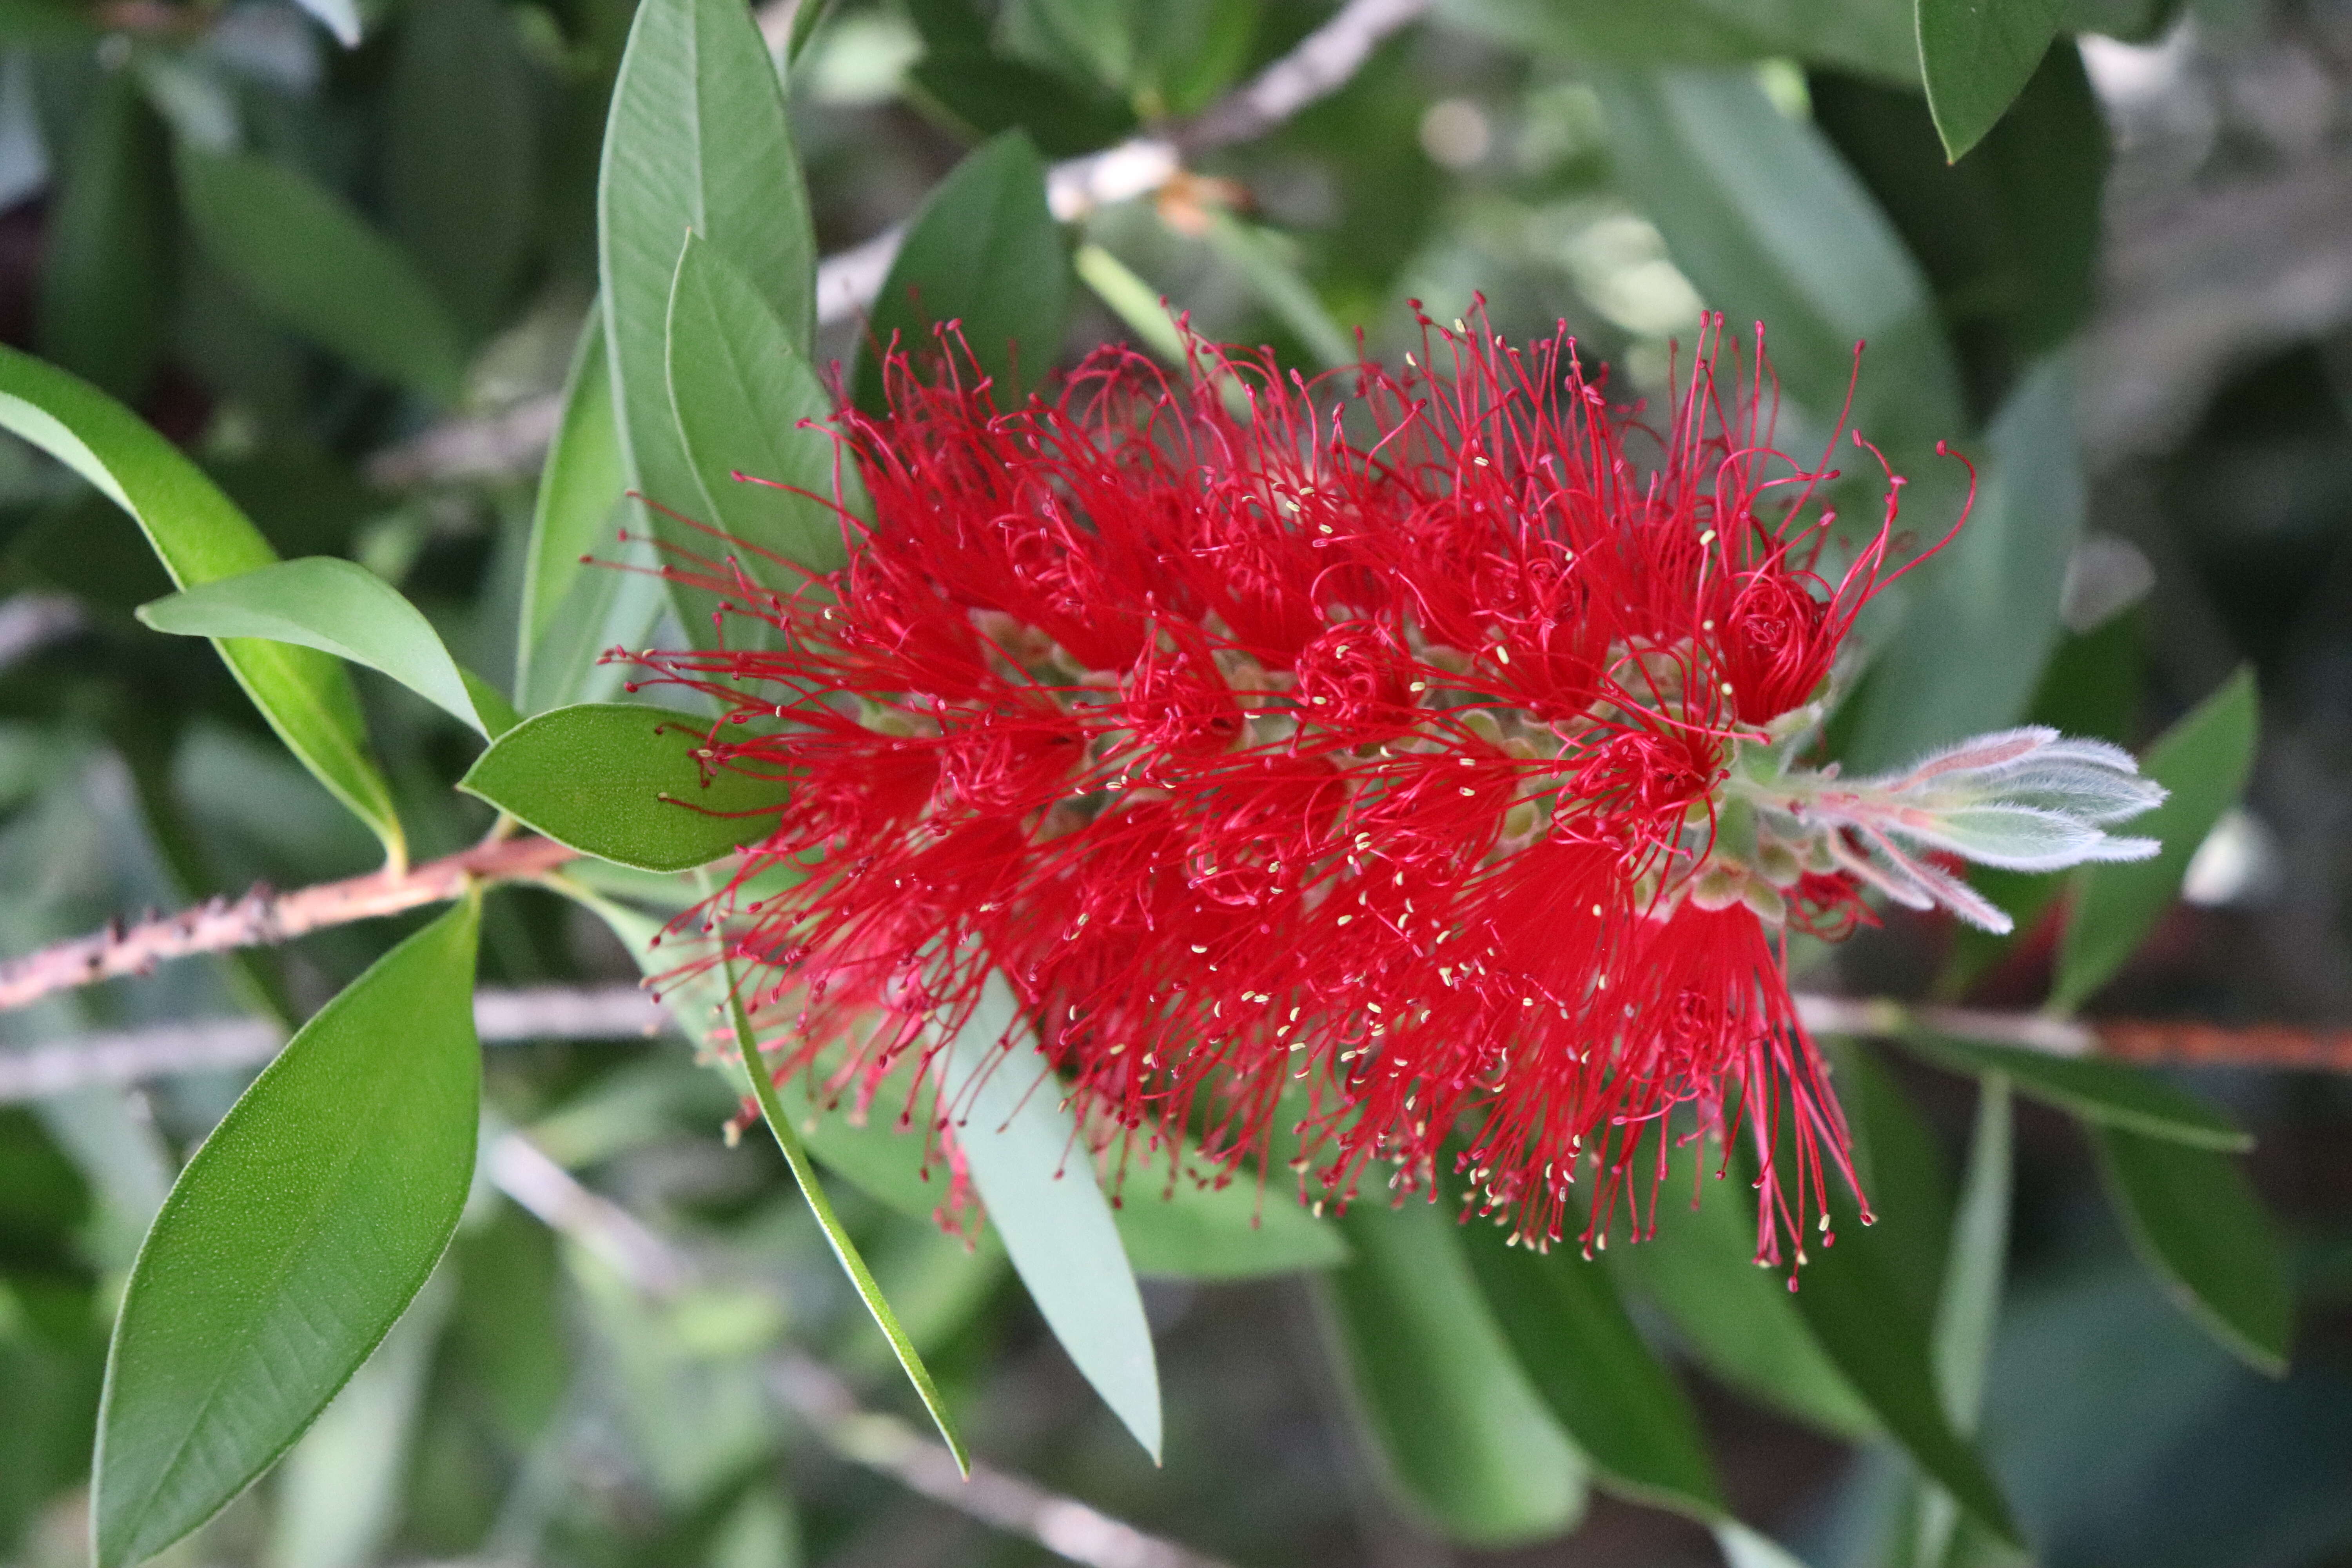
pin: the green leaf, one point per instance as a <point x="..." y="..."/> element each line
<point x="303" y="255"/>
<point x="763" y="1088"/>
<point x="460" y="153"/>
<point x="1771" y="227"/>
<point x="1983" y="614"/>
<point x="1259" y="255"/>
<point x="1033" y="1173"/>
<point x="1976" y="55"/>
<point x="107" y="276"/>
<point x="985" y="252"/>
<point x="336" y="606"/>
<point x="291" y="1243"/>
<point x="1190" y="1232"/>
<point x="1869" y="37"/>
<point x="199" y="535"/>
<point x="742" y="392"/>
<point x="566" y="617"/>
<point x="697" y="140"/>
<point x="1131" y="299"/>
<point x="1969" y="1308"/>
<point x="1234" y="1232"/>
<point x="2109" y="1093"/>
<point x="1560" y="1315"/>
<point x="2194" y="1218"/>
<point x="1855" y="1296"/>
<point x="2203" y="760"/>
<point x="624" y="782"/>
<point x="1462" y="1435"/>
<point x="1700" y="1267"/>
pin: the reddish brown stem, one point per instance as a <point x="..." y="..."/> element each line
<point x="263" y="917"/>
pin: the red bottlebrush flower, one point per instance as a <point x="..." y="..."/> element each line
<point x="1394" y="770"/>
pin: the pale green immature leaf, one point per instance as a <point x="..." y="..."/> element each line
<point x="303" y="256"/>
<point x="2105" y="1092"/>
<point x="1460" y="1432"/>
<point x="2203" y="760"/>
<point x="337" y="607"/>
<point x="2194" y="1218"/>
<point x="624" y="782"/>
<point x="1006" y="1110"/>
<point x="697" y="140"/>
<point x="291" y="1243"/>
<point x="983" y="252"/>
<point x="1976" y="57"/>
<point x="750" y="412"/>
<point x="199" y="535"/>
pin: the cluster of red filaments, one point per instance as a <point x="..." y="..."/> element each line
<point x="1328" y="768"/>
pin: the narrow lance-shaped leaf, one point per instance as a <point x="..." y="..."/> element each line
<point x="291" y="1243"/>
<point x="2195" y="1219"/>
<point x="1771" y="227"/>
<point x="305" y="257"/>
<point x="764" y="1089"/>
<point x="1460" y="1431"/>
<point x="200" y="535"/>
<point x="1969" y="1308"/>
<point x="2203" y="760"/>
<point x="1560" y="1315"/>
<point x="577" y="490"/>
<point x="2104" y="1091"/>
<point x="697" y="140"/>
<point x="1976" y="55"/>
<point x="624" y="782"/>
<point x="340" y="607"/>
<point x="743" y="394"/>
<point x="986" y="253"/>
<point x="1033" y="1173"/>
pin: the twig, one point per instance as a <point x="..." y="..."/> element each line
<point x="166" y="1050"/>
<point x="1067" y="1528"/>
<point x="262" y="918"/>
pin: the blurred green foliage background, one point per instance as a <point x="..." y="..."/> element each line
<point x="348" y="275"/>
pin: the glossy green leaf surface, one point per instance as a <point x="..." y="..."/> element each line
<point x="622" y="781"/>
<point x="291" y="1243"/>
<point x="1029" y="1167"/>
<point x="2203" y="760"/>
<point x="199" y="535"/>
<point x="1560" y="1315"/>
<point x="1461" y="1433"/>
<point x="337" y="607"/>
<point x="2107" y="1092"/>
<point x="1771" y="227"/>
<point x="696" y="140"/>
<point x="2195" y="1219"/>
<point x="304" y="257"/>
<point x="742" y="390"/>
<point x="1975" y="57"/>
<point x="1983" y="611"/>
<point x="1700" y="1268"/>
<point x="986" y="253"/>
